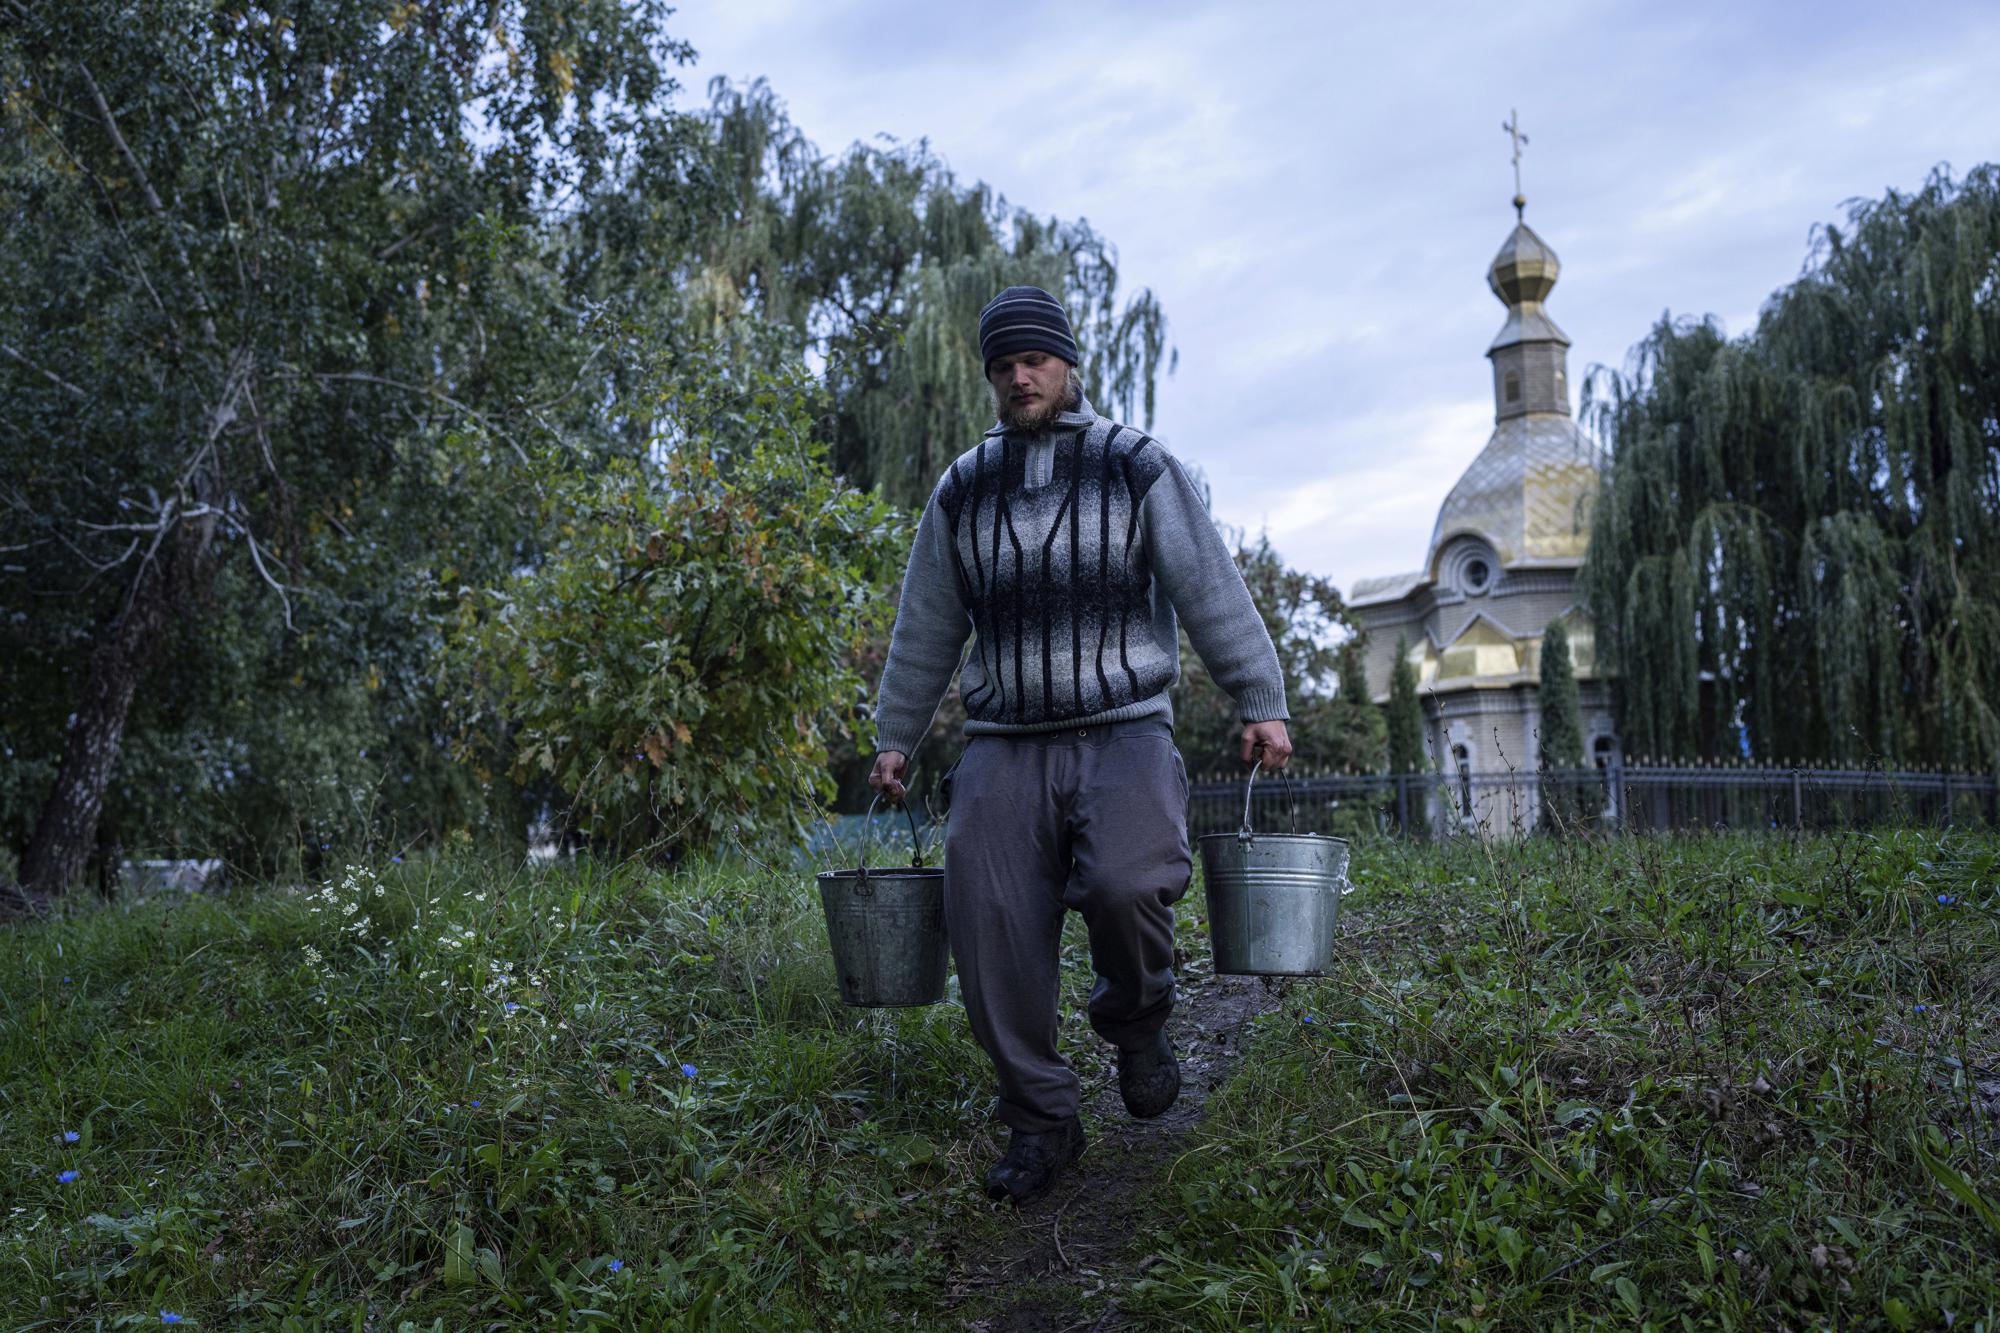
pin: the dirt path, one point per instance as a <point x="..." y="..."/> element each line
<point x="1062" y="1262"/>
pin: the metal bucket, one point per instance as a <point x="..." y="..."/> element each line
<point x="1272" y="898"/>
<point x="886" y="928"/>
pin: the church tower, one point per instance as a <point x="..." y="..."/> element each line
<point x="1530" y="355"/>
<point x="1501" y="567"/>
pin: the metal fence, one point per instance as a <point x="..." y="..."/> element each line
<point x="1615" y="797"/>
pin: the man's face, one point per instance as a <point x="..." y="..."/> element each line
<point x="1030" y="389"/>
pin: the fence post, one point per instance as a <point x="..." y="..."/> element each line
<point x="1798" y="801"/>
<point x="1403" y="805"/>
<point x="1947" y="798"/>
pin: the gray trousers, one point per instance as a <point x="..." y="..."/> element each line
<point x="1091" y="818"/>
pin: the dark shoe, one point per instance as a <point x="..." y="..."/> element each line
<point x="1033" y="1161"/>
<point x="1150" y="1078"/>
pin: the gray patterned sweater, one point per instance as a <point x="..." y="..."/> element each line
<point x="1065" y="557"/>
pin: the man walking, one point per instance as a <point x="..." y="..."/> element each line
<point x="1066" y="546"/>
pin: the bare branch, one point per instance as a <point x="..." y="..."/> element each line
<point x="334" y="519"/>
<point x="168" y="517"/>
<point x="257" y="559"/>
<point x="145" y="562"/>
<point x="106" y="566"/>
<point x="362" y="377"/>
<point x="111" y="207"/>
<point x="152" y="198"/>
<point x="389" y="252"/>
<point x="574" y="384"/>
<point x="44" y="371"/>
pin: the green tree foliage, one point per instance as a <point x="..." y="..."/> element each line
<point x="676" y="661"/>
<point x="879" y="260"/>
<point x="271" y="285"/>
<point x="1405" y="719"/>
<point x="1561" y="747"/>
<point x="875" y="263"/>
<point x="1306" y="619"/>
<point x="291" y="296"/>
<point x="1364" y="748"/>
<point x="1799" y="534"/>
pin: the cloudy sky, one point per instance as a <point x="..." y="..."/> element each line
<point x="1314" y="190"/>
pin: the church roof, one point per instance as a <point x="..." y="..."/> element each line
<point x="1527" y="494"/>
<point x="1388" y="588"/>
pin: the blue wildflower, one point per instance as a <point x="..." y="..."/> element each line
<point x="689" y="1070"/>
<point x="510" y="1006"/>
<point x="397" y="859"/>
<point x="66" y="1176"/>
<point x="71" y="1136"/>
<point x="65" y="981"/>
<point x="1947" y="899"/>
<point x="1922" y="1007"/>
<point x="617" y="1264"/>
<point x="475" y="1103"/>
<point x="169" y="1317"/>
<point x="1308" y="1019"/>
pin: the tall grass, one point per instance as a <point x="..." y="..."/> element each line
<point x="1733" y="1083"/>
<point x="461" y="1095"/>
<point x="1670" y="1083"/>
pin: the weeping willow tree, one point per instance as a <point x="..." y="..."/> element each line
<point x="730" y="226"/>
<point x="1798" y="543"/>
<point x="877" y="262"/>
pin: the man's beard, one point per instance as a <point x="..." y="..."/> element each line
<point x="1037" y="417"/>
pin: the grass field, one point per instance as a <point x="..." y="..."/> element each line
<point x="1686" y="1083"/>
<point x="1696" y="1083"/>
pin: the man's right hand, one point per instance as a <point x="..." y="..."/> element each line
<point x="887" y="775"/>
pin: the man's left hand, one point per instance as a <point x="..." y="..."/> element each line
<point x="1271" y="740"/>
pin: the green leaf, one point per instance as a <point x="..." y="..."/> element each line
<point x="1957" y="1185"/>
<point x="1355" y="1216"/>
<point x="459" y="1248"/>
<point x="909" y="1149"/>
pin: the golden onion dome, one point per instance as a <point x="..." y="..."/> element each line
<point x="1526" y="268"/>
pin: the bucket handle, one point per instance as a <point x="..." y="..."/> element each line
<point x="1246" y="833"/>
<point x="868" y="839"/>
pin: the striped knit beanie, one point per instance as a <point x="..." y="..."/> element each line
<point x="1025" y="319"/>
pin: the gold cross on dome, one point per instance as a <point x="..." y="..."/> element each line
<point x="1513" y="127"/>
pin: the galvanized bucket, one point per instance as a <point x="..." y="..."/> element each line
<point x="1272" y="898"/>
<point x="886" y="928"/>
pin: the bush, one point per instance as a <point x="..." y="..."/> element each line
<point x="678" y="659"/>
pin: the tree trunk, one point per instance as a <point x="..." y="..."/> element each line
<point x="66" y="830"/>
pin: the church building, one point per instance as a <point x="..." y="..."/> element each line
<point x="1501" y="567"/>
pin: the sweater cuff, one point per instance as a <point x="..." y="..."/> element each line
<point x="903" y="745"/>
<point x="1263" y="704"/>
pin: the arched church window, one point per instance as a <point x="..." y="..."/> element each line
<point x="1462" y="758"/>
<point x="1512" y="387"/>
<point x="1477" y="575"/>
<point x="1601" y="750"/>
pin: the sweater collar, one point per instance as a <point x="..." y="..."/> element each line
<point x="1082" y="415"/>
